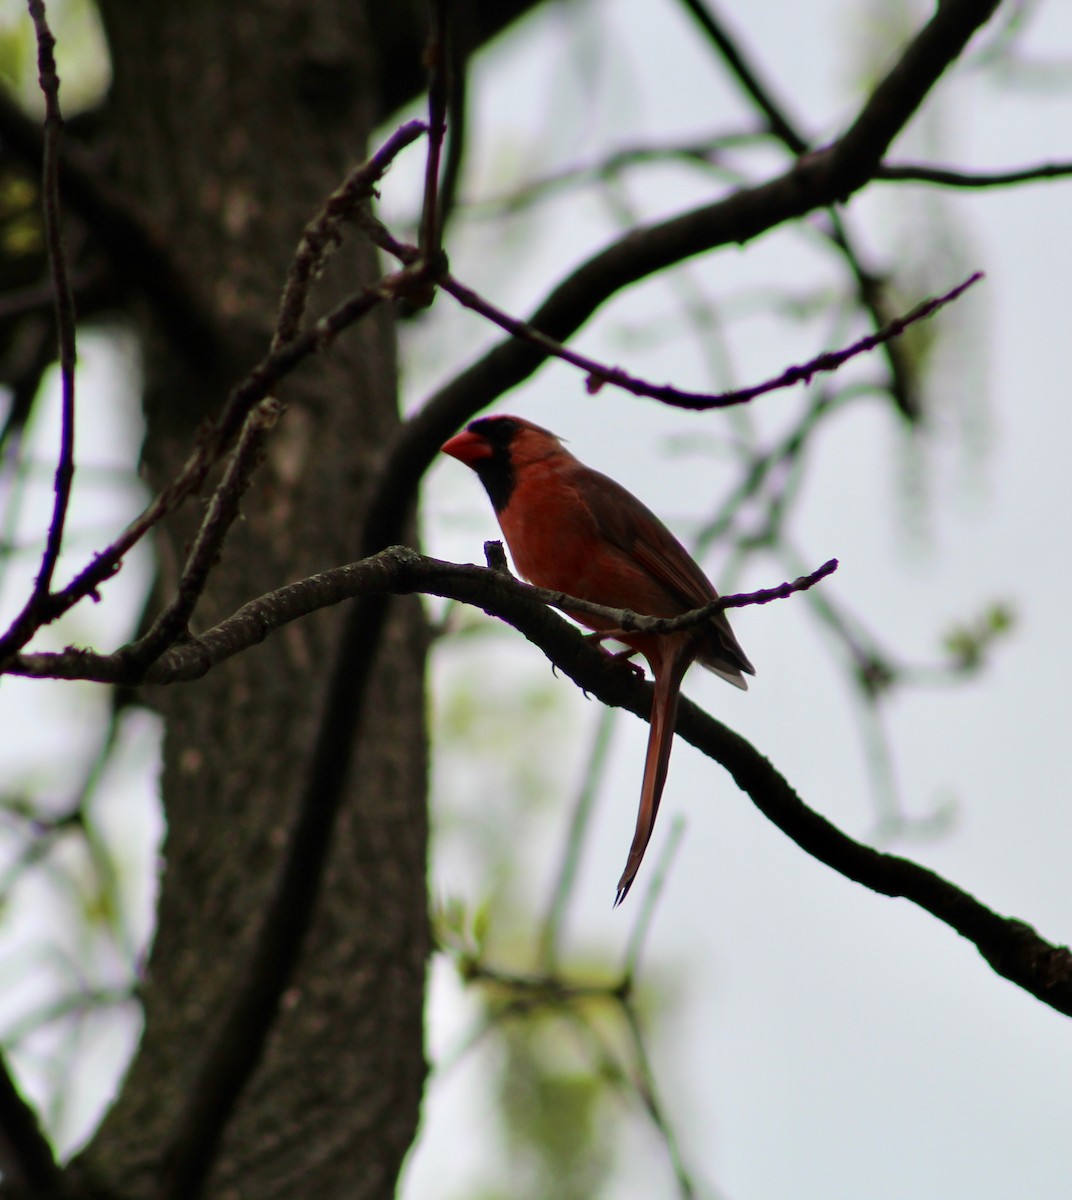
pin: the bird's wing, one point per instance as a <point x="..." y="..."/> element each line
<point x="630" y="526"/>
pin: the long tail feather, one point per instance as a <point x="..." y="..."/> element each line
<point x="660" y="740"/>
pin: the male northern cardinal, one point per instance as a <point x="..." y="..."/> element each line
<point x="574" y="530"/>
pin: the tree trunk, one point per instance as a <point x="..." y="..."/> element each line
<point x="231" y="123"/>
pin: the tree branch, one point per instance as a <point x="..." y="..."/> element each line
<point x="49" y="82"/>
<point x="816" y="181"/>
<point x="255" y="388"/>
<point x="323" y="234"/>
<point x="395" y="571"/>
<point x="761" y="94"/>
<point x="600" y="374"/>
<point x="952" y="177"/>
<point x="1010" y="946"/>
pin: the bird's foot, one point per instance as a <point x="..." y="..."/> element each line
<point x="623" y="656"/>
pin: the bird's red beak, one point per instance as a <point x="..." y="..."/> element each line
<point x="467" y="447"/>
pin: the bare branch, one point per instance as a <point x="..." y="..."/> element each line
<point x="952" y="177"/>
<point x="395" y="571"/>
<point x="204" y="554"/>
<point x="64" y="311"/>
<point x="437" y="60"/>
<point x="761" y="93"/>
<point x="600" y="374"/>
<point x="1012" y="948"/>
<point x="323" y="234"/>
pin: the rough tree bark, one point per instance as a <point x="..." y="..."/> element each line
<point x="230" y="124"/>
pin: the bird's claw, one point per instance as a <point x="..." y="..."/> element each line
<point x="623" y="656"/>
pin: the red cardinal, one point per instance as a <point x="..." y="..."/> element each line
<point x="573" y="530"/>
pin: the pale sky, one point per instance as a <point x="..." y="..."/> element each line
<point x="825" y="1042"/>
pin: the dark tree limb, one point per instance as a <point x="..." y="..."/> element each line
<point x="1011" y="947"/>
<point x="756" y="89"/>
<point x="395" y="571"/>
<point x="817" y="181"/>
<point x="955" y="178"/>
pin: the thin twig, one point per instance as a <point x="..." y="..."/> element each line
<point x="323" y="234"/>
<point x="437" y="60"/>
<point x="950" y="177"/>
<point x="64" y="301"/>
<point x="459" y="49"/>
<point x="222" y="510"/>
<point x="600" y="374"/>
<point x="644" y="1082"/>
<point x="706" y="153"/>
<point x="871" y="289"/>
<point x="73" y="1004"/>
<point x="762" y="95"/>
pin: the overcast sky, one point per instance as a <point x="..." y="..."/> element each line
<point x="826" y="1042"/>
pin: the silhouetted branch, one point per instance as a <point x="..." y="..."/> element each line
<point x="24" y="625"/>
<point x="951" y="177"/>
<point x="221" y="513"/>
<point x="323" y="234"/>
<point x="600" y="374"/>
<point x="395" y="571"/>
<point x="1011" y="947"/>
<point x="437" y="59"/>
<point x="760" y="93"/>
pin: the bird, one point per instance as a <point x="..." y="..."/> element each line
<point x="573" y="529"/>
